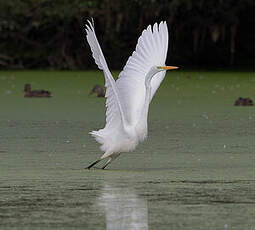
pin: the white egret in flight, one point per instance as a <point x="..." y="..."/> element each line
<point x="128" y="98"/>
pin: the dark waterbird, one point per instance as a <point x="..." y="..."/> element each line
<point x="35" y="93"/>
<point x="244" y="102"/>
<point x="99" y="90"/>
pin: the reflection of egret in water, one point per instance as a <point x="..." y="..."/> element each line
<point x="123" y="208"/>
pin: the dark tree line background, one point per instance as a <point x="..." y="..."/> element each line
<point x="49" y="34"/>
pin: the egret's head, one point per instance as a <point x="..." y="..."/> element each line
<point x="154" y="70"/>
<point x="161" y="68"/>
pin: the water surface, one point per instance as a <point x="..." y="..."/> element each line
<point x="195" y="170"/>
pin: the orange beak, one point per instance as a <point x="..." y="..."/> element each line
<point x="168" y="67"/>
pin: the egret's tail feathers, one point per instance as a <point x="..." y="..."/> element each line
<point x="113" y="142"/>
<point x="102" y="139"/>
<point x="99" y="138"/>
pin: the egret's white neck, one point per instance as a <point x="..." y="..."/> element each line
<point x="142" y="124"/>
<point x="148" y="78"/>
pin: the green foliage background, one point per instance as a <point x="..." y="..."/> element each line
<point x="46" y="34"/>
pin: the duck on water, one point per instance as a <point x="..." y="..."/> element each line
<point x="35" y="93"/>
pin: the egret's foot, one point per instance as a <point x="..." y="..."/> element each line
<point x="93" y="168"/>
<point x="90" y="166"/>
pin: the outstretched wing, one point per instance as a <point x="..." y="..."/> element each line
<point x="151" y="50"/>
<point x="114" y="112"/>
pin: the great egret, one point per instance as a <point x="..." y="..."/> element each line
<point x="128" y="98"/>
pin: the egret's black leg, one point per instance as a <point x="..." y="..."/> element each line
<point x="93" y="164"/>
<point x="107" y="163"/>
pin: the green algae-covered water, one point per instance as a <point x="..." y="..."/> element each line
<point x="196" y="170"/>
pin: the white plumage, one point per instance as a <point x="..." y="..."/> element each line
<point x="128" y="98"/>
